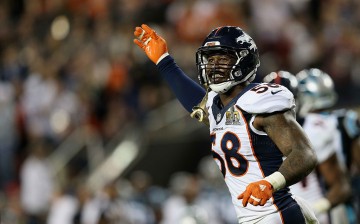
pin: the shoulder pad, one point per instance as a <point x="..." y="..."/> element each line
<point x="267" y="98"/>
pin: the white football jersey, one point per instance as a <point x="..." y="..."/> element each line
<point x="244" y="154"/>
<point x="322" y="132"/>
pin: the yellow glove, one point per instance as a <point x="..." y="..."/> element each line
<point x="154" y="46"/>
<point x="257" y="193"/>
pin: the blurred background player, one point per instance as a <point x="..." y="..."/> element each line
<point x="187" y="204"/>
<point x="283" y="78"/>
<point x="316" y="94"/>
<point x="328" y="185"/>
<point x="243" y="125"/>
<point x="349" y="127"/>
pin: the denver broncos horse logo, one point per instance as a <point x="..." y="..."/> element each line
<point x="244" y="38"/>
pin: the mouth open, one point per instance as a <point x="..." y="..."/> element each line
<point x="217" y="77"/>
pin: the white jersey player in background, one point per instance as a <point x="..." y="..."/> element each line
<point x="328" y="186"/>
<point x="259" y="147"/>
<point x="349" y="127"/>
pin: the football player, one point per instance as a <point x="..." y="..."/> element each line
<point x="259" y="147"/>
<point x="349" y="126"/>
<point x="283" y="78"/>
<point x="314" y="93"/>
<point x="317" y="94"/>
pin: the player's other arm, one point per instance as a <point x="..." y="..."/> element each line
<point x="355" y="153"/>
<point x="290" y="138"/>
<point x="287" y="134"/>
<point x="336" y="179"/>
<point x="188" y="92"/>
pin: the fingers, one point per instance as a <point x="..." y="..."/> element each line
<point x="263" y="201"/>
<point x="245" y="196"/>
<point x="150" y="32"/>
<point x="142" y="37"/>
<point x="144" y="34"/>
<point x="139" y="43"/>
<point x="139" y="32"/>
<point x="147" y="29"/>
<point x="143" y="31"/>
<point x="255" y="201"/>
<point x="147" y="41"/>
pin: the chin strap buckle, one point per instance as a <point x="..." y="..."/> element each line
<point x="199" y="111"/>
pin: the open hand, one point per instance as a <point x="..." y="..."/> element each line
<point x="153" y="44"/>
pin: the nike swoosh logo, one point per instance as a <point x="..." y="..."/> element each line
<point x="275" y="92"/>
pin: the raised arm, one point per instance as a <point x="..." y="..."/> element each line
<point x="186" y="90"/>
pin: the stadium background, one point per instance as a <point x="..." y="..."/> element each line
<point x="77" y="93"/>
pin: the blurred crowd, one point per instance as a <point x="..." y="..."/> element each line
<point x="70" y="64"/>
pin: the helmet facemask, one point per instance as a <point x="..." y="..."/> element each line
<point x="223" y="74"/>
<point x="230" y="41"/>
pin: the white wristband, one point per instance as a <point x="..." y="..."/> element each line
<point x="162" y="57"/>
<point x="322" y="205"/>
<point x="277" y="180"/>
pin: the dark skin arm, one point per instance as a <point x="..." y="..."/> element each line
<point x="290" y="138"/>
<point x="355" y="154"/>
<point x="339" y="189"/>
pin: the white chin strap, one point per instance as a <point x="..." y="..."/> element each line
<point x="223" y="87"/>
